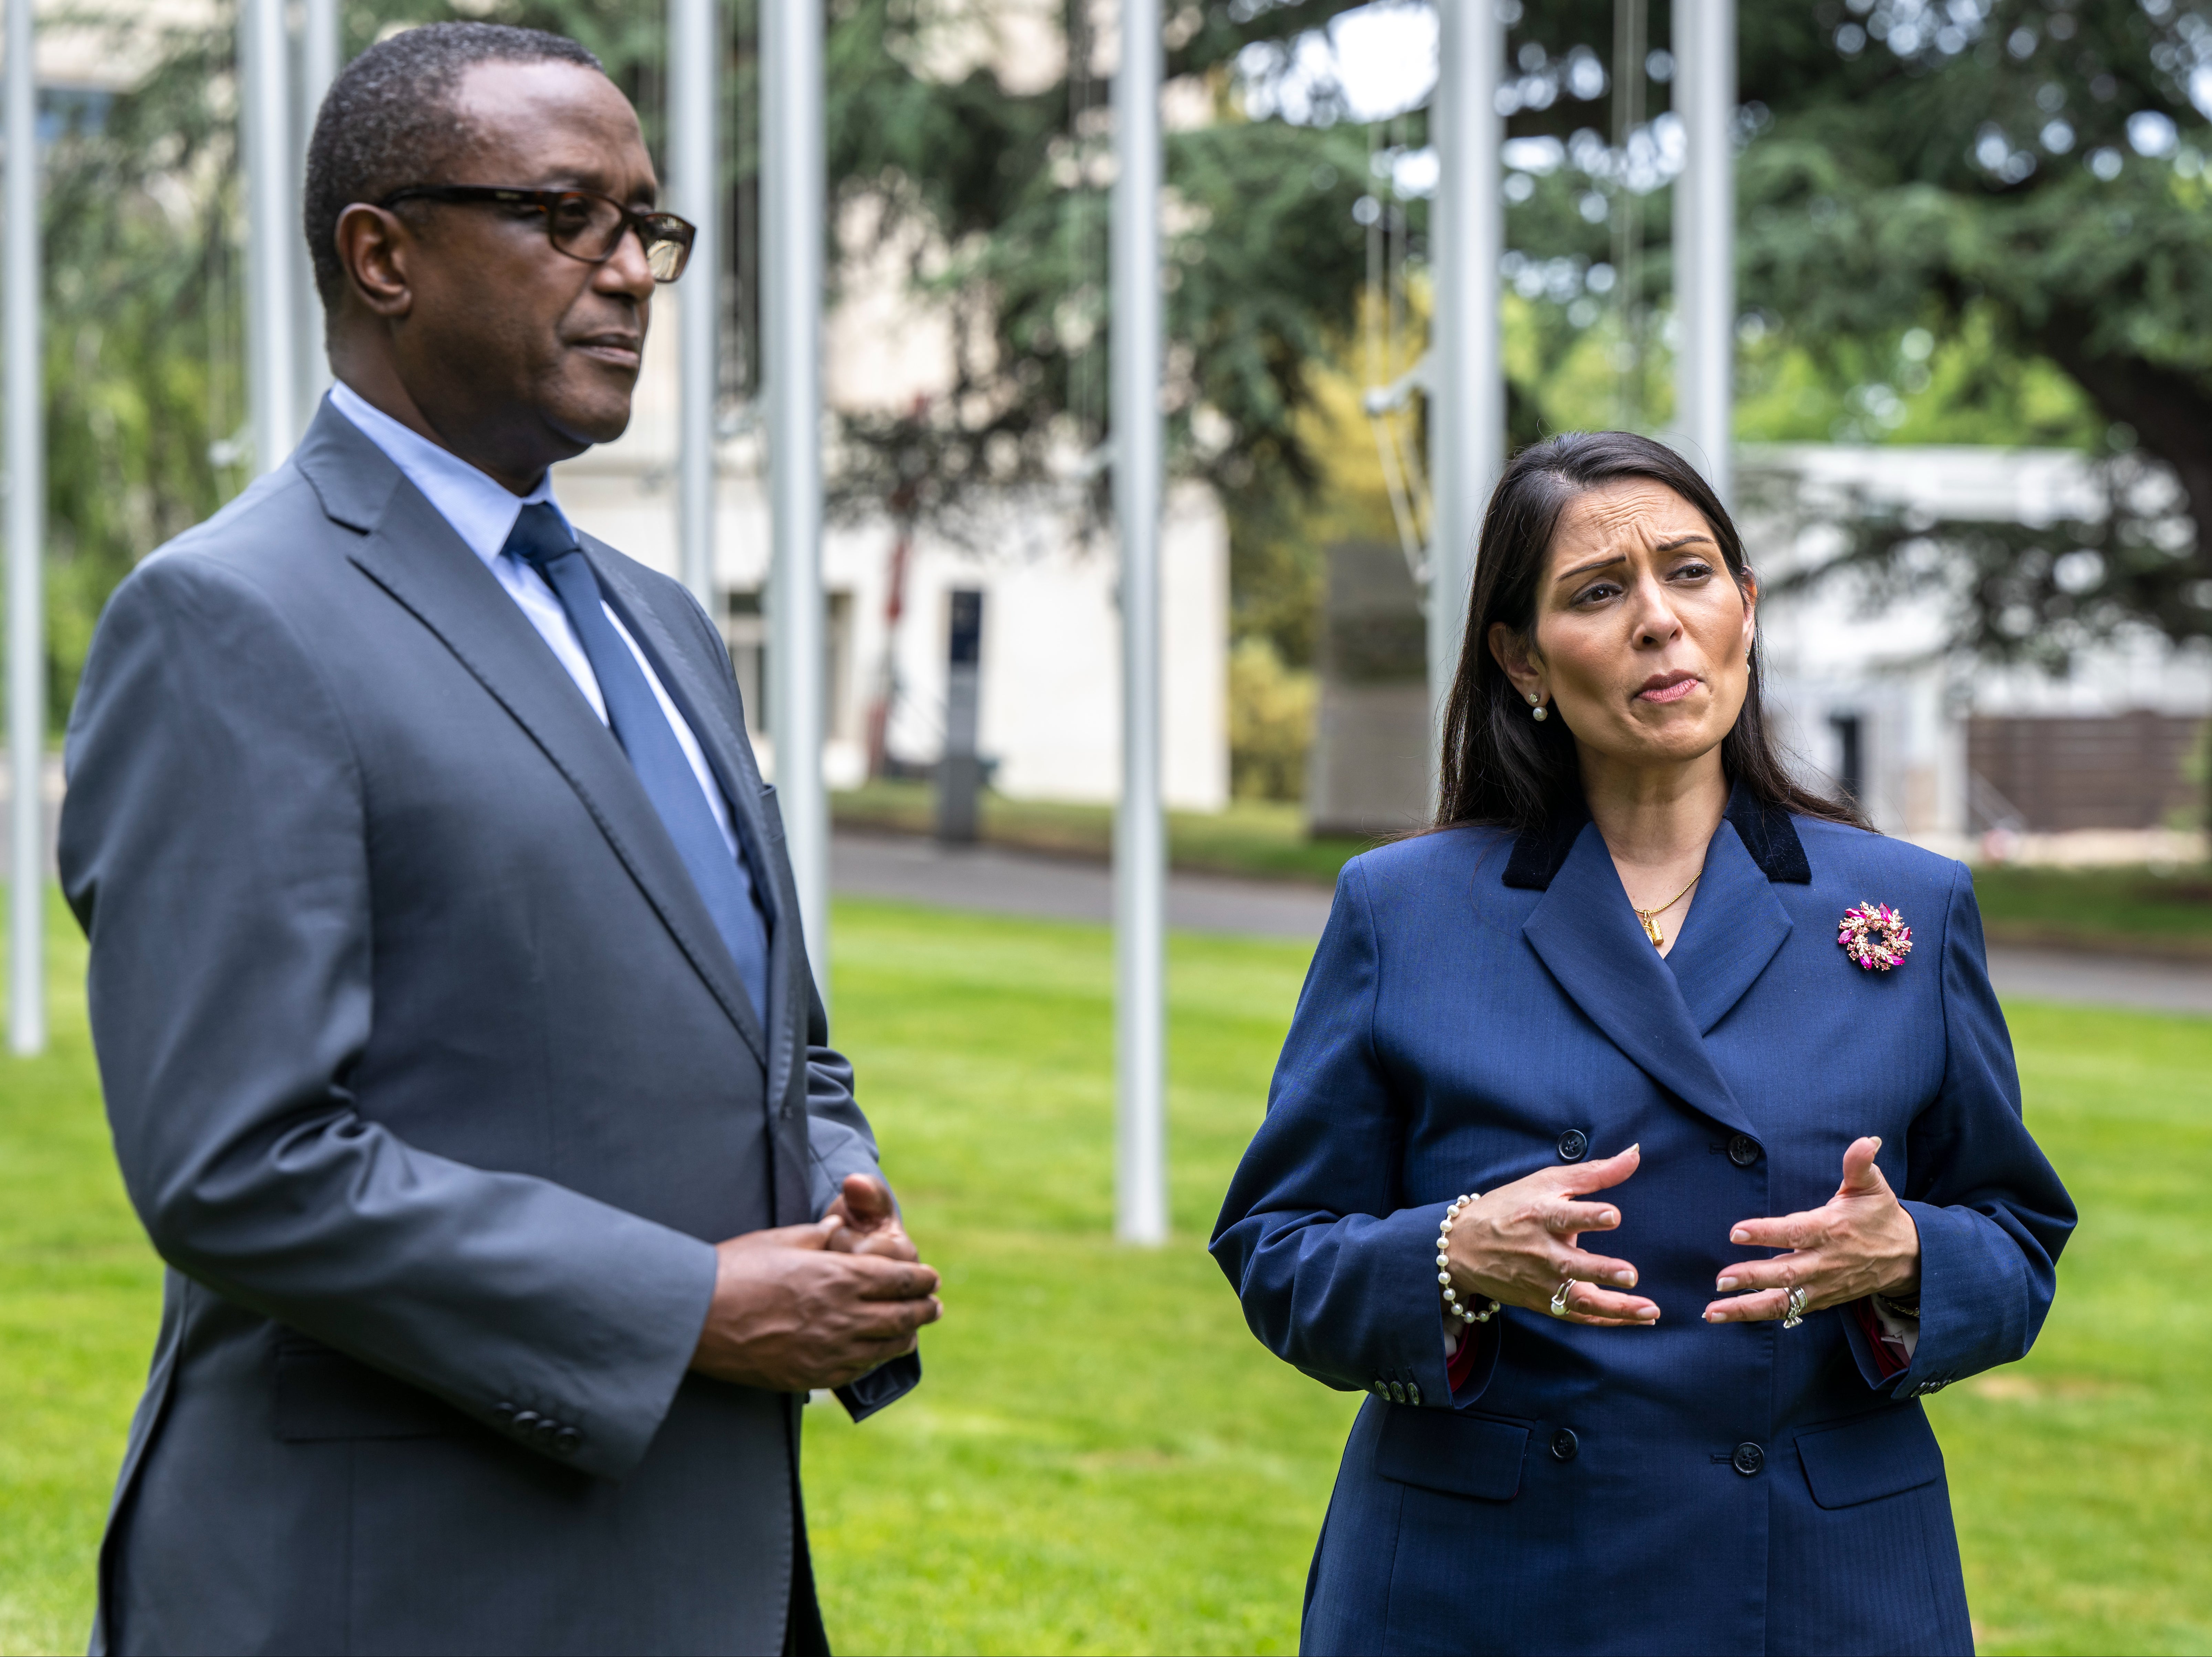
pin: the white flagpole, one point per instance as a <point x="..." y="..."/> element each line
<point x="27" y="535"/>
<point x="792" y="227"/>
<point x="1704" y="238"/>
<point x="695" y="187"/>
<point x="1139" y="838"/>
<point x="271" y="327"/>
<point x="1467" y="423"/>
<point x="321" y="55"/>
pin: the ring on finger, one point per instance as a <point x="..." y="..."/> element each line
<point x="1559" y="1296"/>
<point x="1794" y="1312"/>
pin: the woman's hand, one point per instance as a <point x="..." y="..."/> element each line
<point x="1517" y="1245"/>
<point x="1860" y="1242"/>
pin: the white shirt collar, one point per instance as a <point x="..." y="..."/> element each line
<point x="481" y="508"/>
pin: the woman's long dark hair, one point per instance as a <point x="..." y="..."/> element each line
<point x="1500" y="767"/>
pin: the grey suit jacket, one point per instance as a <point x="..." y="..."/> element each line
<point x="434" y="1085"/>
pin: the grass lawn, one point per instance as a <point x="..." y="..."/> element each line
<point x="2129" y="910"/>
<point x="1102" y="1460"/>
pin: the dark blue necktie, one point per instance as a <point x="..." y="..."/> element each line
<point x="542" y="540"/>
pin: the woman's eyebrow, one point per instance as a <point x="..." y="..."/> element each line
<point x="1611" y="558"/>
<point x="1682" y="540"/>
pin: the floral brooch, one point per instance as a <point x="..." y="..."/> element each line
<point x="1875" y="936"/>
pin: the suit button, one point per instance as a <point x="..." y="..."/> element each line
<point x="1413" y="1392"/>
<point x="524" y="1421"/>
<point x="1572" y="1144"/>
<point x="1380" y="1388"/>
<point x="568" y="1440"/>
<point x="1565" y="1446"/>
<point x="1748" y="1459"/>
<point x="504" y="1411"/>
<point x="1397" y="1392"/>
<point x="546" y="1429"/>
<point x="1743" y="1150"/>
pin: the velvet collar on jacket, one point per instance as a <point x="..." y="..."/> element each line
<point x="1766" y="830"/>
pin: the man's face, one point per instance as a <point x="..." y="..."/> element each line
<point x="527" y="355"/>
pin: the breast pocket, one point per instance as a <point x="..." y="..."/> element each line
<point x="1883" y="1453"/>
<point x="1453" y="1453"/>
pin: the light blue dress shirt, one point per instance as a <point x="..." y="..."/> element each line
<point x="481" y="511"/>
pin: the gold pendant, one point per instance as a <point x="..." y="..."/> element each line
<point x="1651" y="929"/>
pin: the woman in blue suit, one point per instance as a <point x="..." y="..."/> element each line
<point x="1641" y="989"/>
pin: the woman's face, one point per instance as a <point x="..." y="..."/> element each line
<point x="1642" y="639"/>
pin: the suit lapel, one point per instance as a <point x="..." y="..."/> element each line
<point x="730" y="757"/>
<point x="1735" y="925"/>
<point x="412" y="553"/>
<point x="1586" y="932"/>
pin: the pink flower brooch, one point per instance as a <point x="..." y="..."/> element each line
<point x="1875" y="936"/>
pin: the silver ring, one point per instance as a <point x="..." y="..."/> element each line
<point x="1560" y="1297"/>
<point x="1794" y="1312"/>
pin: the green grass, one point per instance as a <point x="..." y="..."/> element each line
<point x="2165" y="912"/>
<point x="1259" y="838"/>
<point x="1100" y="1458"/>
<point x="2127" y="910"/>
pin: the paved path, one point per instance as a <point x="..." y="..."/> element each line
<point x="1014" y="883"/>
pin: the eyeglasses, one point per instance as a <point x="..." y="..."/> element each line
<point x="578" y="223"/>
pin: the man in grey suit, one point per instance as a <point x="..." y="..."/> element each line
<point x="459" y="1044"/>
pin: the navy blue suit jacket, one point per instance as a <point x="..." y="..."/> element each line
<point x="1479" y="1009"/>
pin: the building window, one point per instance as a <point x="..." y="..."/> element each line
<point x="1850" y="754"/>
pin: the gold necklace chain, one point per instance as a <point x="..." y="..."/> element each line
<point x="1650" y="917"/>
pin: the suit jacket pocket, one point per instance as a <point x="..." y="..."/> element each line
<point x="1870" y="1456"/>
<point x="771" y="811"/>
<point x="1457" y="1453"/>
<point x="325" y="1394"/>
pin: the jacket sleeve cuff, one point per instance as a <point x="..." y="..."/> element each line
<point x="634" y="1388"/>
<point x="883" y="1386"/>
<point x="1952" y="1249"/>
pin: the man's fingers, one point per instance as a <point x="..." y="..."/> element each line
<point x="894" y="1280"/>
<point x="890" y="1241"/>
<point x="815" y="1234"/>
<point x="866" y="1198"/>
<point x="1602" y="1172"/>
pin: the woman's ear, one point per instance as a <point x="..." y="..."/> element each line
<point x="1516" y="660"/>
<point x="1749" y="587"/>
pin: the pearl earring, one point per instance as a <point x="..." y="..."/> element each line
<point x="1537" y="711"/>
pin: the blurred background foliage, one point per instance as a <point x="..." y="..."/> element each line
<point x="1978" y="222"/>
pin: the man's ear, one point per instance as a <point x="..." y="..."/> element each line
<point x="374" y="249"/>
<point x="1512" y="652"/>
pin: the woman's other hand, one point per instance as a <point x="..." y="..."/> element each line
<point x="1860" y="1242"/>
<point x="1516" y="1246"/>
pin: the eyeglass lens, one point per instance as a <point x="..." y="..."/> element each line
<point x="590" y="227"/>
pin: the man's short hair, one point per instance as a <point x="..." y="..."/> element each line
<point x="388" y="121"/>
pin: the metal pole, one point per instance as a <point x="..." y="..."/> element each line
<point x="26" y="538"/>
<point x="1141" y="1204"/>
<point x="321" y="55"/>
<point x="273" y="388"/>
<point x="1467" y="424"/>
<point x="1704" y="238"/>
<point x="792" y="225"/>
<point x="694" y="178"/>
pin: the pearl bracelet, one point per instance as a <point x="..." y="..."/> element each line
<point x="1452" y="1306"/>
